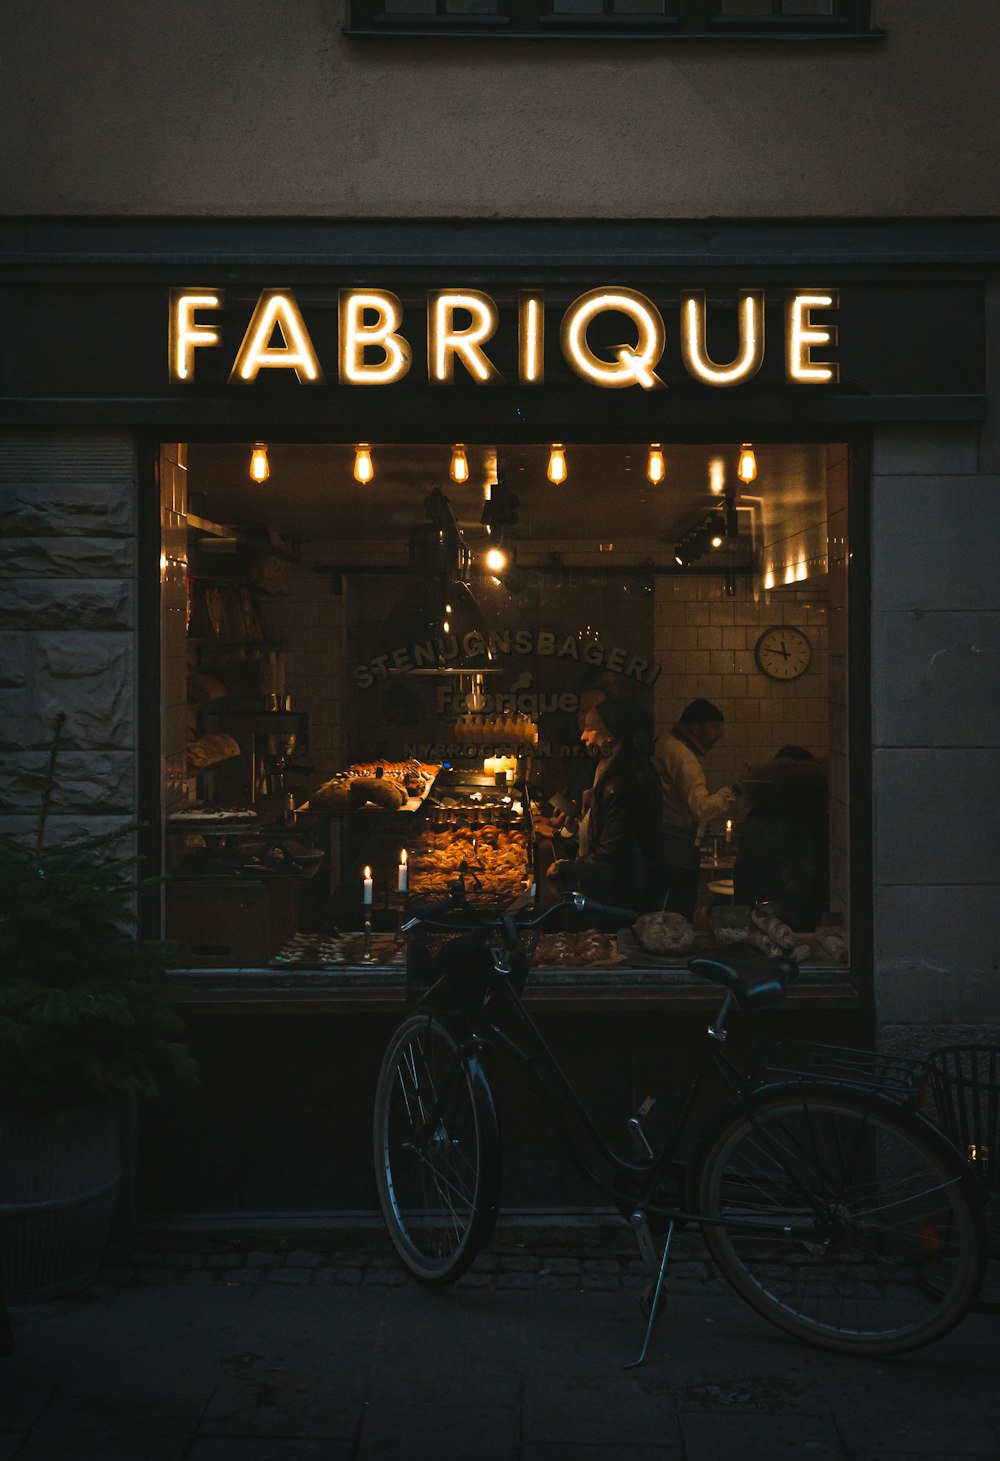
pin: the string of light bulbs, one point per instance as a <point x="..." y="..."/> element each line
<point x="557" y="470"/>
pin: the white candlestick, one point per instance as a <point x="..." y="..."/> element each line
<point x="403" y="878"/>
<point x="368" y="887"/>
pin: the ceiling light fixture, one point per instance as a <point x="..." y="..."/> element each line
<point x="259" y="468"/>
<point x="364" y="468"/>
<point x="747" y="469"/>
<point x="557" y="464"/>
<point x="655" y="468"/>
<point x="459" y="464"/>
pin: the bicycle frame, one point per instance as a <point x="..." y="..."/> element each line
<point x="509" y="1025"/>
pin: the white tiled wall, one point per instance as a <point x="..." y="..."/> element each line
<point x="704" y="642"/>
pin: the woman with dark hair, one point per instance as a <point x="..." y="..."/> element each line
<point x="619" y="836"/>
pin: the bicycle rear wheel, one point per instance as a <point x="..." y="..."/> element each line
<point x="437" y="1150"/>
<point x="860" y="1235"/>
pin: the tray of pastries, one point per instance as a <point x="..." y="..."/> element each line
<point x="583" y="949"/>
<point x="392" y="786"/>
<point x="492" y="860"/>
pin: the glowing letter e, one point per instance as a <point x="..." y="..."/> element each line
<point x="186" y="335"/>
<point x="802" y="333"/>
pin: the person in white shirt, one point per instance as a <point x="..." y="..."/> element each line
<point x="687" y="801"/>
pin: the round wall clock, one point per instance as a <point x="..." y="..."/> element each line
<point x="783" y="653"/>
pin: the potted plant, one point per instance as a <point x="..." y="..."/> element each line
<point x="84" y="1029"/>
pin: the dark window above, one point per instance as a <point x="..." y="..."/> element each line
<point x="771" y="20"/>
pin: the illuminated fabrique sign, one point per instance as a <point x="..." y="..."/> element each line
<point x="373" y="351"/>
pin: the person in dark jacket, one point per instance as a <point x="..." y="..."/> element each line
<point x="784" y="850"/>
<point x="619" y="857"/>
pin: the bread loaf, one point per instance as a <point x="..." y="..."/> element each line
<point x="764" y="943"/>
<point x="831" y="944"/>
<point x="334" y="796"/>
<point x="776" y="931"/>
<point x="208" y="750"/>
<point x="380" y="790"/>
<point x="663" y="933"/>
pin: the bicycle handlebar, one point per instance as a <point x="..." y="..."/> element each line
<point x="747" y="996"/>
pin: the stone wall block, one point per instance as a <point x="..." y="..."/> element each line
<point x="81" y="557"/>
<point x="90" y="603"/>
<point x="13" y="718"/>
<point x="93" y="782"/>
<point x="65" y="509"/>
<point x="938" y="677"/>
<point x="928" y="547"/>
<point x="90" y="677"/>
<point x="13" y="660"/>
<point x="69" y="828"/>
<point x="935" y="819"/>
<point x="938" y="957"/>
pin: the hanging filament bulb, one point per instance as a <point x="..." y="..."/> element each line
<point x="747" y="469"/>
<point x="364" y="469"/>
<point x="656" y="467"/>
<point x="557" y="464"/>
<point x="496" y="560"/>
<point x="259" y="468"/>
<point x="459" y="464"/>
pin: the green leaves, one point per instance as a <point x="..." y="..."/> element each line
<point x="83" y="1012"/>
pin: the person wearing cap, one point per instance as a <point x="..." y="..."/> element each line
<point x="687" y="801"/>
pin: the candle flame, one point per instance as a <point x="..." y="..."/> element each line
<point x="368" y="873"/>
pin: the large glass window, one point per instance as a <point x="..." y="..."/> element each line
<point x="388" y="648"/>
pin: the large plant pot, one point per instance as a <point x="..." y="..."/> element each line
<point x="59" y="1178"/>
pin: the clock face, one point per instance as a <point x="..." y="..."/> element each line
<point x="783" y="653"/>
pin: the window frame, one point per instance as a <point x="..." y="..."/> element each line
<point x="689" y="20"/>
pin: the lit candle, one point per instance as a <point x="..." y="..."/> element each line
<point x="402" y="879"/>
<point x="729" y="833"/>
<point x="368" y="887"/>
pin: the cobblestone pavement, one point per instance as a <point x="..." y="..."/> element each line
<point x="310" y="1346"/>
<point x="595" y="1258"/>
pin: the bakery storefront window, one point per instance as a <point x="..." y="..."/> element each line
<point x="383" y="668"/>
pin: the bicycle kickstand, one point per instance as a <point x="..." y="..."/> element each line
<point x="640" y="1226"/>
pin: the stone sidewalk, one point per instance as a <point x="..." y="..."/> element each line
<point x="257" y="1349"/>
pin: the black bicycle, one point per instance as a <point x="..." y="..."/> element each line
<point x="825" y="1198"/>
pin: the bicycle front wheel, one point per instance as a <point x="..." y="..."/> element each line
<point x="842" y="1220"/>
<point x="437" y="1150"/>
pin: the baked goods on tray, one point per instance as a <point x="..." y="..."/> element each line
<point x="212" y="812"/>
<point x="493" y="861"/>
<point x="576" y="950"/>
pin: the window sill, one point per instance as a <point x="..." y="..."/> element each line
<point x="594" y="27"/>
<point x="356" y="989"/>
